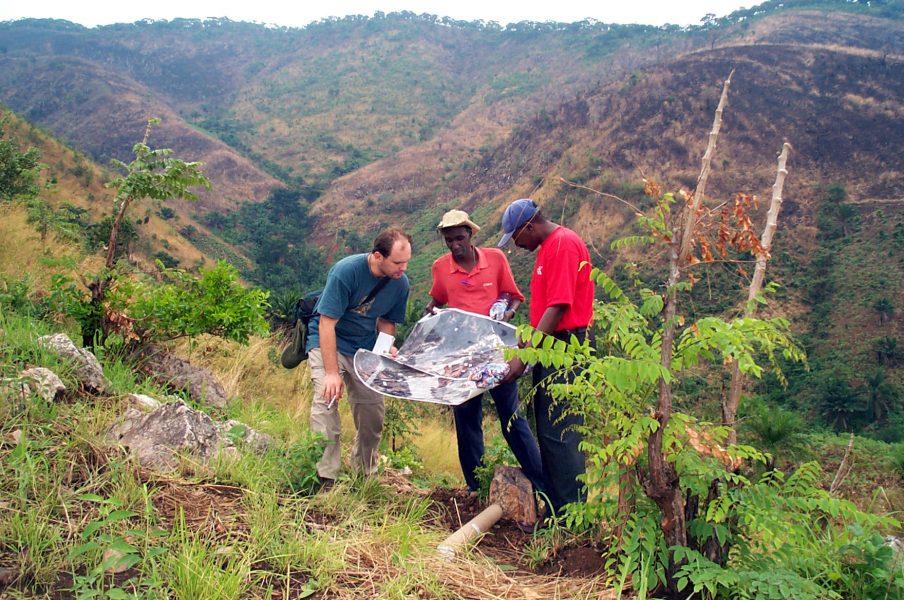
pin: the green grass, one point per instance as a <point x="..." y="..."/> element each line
<point x="68" y="499"/>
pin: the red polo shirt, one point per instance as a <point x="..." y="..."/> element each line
<point x="562" y="276"/>
<point x="475" y="291"/>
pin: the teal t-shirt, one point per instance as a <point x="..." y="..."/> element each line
<point x="347" y="284"/>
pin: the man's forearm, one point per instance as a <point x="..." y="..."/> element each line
<point x="328" y="349"/>
<point x="551" y="318"/>
<point x="387" y="327"/>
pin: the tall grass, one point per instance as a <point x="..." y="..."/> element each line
<point x="197" y="568"/>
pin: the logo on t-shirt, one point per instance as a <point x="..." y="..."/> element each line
<point x="539" y="270"/>
<point x="363" y="309"/>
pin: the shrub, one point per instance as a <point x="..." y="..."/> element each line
<point x="300" y="463"/>
<point x="496" y="453"/>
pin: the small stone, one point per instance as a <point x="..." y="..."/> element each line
<point x="144" y="403"/>
<point x="44" y="382"/>
<point x="13" y="437"/>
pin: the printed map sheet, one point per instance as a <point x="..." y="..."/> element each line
<point x="433" y="363"/>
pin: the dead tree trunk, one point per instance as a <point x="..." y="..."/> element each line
<point x="114" y="231"/>
<point x="730" y="405"/>
<point x="662" y="484"/>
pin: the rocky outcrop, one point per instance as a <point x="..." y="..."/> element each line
<point x="87" y="368"/>
<point x="157" y="439"/>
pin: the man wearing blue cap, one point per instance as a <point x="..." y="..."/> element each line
<point x="561" y="305"/>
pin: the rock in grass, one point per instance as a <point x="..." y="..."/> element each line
<point x="199" y="383"/>
<point x="144" y="403"/>
<point x="43" y="382"/>
<point x="238" y="434"/>
<point x="157" y="439"/>
<point x="87" y="368"/>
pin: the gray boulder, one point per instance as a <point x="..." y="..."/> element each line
<point x="87" y="368"/>
<point x="157" y="439"/>
<point x="199" y="383"/>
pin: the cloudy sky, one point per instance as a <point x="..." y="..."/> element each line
<point x="298" y="13"/>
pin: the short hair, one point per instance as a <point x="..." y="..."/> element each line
<point x="387" y="238"/>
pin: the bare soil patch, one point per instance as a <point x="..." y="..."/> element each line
<point x="506" y="543"/>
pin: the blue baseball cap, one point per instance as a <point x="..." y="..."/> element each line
<point x="517" y="215"/>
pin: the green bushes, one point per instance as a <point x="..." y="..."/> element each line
<point x="181" y="306"/>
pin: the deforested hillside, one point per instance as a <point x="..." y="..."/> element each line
<point x="368" y="121"/>
<point x="73" y="201"/>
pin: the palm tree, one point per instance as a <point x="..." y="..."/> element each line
<point x="882" y="397"/>
<point x="839" y="402"/>
<point x="885" y="308"/>
<point x="888" y="350"/>
<point x="778" y="431"/>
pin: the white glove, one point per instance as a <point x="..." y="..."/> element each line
<point x="497" y="311"/>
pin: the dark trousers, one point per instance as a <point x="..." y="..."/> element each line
<point x="515" y="430"/>
<point x="562" y="459"/>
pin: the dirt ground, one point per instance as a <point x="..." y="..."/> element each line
<point x="506" y="543"/>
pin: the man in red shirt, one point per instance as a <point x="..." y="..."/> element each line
<point x="480" y="280"/>
<point x="561" y="305"/>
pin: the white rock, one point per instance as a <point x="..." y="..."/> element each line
<point x="144" y="403"/>
<point x="44" y="382"/>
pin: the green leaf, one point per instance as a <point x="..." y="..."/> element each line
<point x="92" y="498"/>
<point x="91" y="528"/>
<point x="120" y="545"/>
<point x="119" y="515"/>
<point x="82" y="549"/>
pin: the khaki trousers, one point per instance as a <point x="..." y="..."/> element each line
<point x="367" y="413"/>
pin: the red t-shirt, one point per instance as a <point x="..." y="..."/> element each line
<point x="562" y="276"/>
<point x="475" y="291"/>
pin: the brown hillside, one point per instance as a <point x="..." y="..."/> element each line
<point x="72" y="178"/>
<point x="119" y="108"/>
<point x="840" y="108"/>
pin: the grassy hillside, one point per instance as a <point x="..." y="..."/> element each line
<point x="73" y="186"/>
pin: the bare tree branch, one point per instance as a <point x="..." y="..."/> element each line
<point x="700" y="192"/>
<point x="730" y="405"/>
<point x="844" y="468"/>
<point x="636" y="210"/>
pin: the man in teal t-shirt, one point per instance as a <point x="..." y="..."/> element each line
<point x="349" y="315"/>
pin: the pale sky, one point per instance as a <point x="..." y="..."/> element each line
<point x="297" y="13"/>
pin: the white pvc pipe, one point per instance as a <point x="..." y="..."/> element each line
<point x="470" y="530"/>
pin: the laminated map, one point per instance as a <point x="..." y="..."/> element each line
<point x="434" y="362"/>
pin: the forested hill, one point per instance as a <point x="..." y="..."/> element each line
<point x="316" y="137"/>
